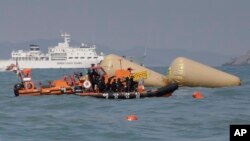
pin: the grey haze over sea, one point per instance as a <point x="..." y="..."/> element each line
<point x="69" y="117"/>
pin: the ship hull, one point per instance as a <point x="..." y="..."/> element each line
<point x="49" y="64"/>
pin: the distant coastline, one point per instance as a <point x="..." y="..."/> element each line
<point x="239" y="61"/>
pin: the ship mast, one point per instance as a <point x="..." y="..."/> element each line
<point x="66" y="39"/>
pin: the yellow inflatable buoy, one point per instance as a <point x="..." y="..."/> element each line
<point x="112" y="62"/>
<point x="186" y="72"/>
<point x="183" y="71"/>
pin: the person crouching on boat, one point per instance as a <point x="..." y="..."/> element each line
<point x="109" y="84"/>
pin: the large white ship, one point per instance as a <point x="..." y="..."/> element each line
<point x="60" y="56"/>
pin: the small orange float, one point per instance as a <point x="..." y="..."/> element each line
<point x="197" y="95"/>
<point x="131" y="117"/>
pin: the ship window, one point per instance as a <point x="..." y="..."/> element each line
<point x="76" y="57"/>
<point x="89" y="57"/>
<point x="95" y="57"/>
<point x="70" y="57"/>
<point x="82" y="57"/>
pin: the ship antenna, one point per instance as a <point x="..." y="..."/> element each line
<point x="145" y="52"/>
<point x="66" y="39"/>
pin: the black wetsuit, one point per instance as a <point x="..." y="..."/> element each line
<point x="102" y="86"/>
<point x="114" y="86"/>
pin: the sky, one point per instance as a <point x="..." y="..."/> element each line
<point x="221" y="26"/>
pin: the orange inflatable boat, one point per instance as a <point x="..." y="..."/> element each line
<point x="28" y="88"/>
<point x="119" y="86"/>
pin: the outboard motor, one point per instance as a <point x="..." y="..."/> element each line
<point x="17" y="87"/>
<point x="78" y="89"/>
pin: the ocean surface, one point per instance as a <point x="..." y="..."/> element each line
<point x="69" y="117"/>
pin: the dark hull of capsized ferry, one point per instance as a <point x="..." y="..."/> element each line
<point x="160" y="92"/>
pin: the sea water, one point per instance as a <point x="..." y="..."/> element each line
<point x="69" y="117"/>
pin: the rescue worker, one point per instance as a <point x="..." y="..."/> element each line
<point x="94" y="82"/>
<point x="92" y="76"/>
<point x="132" y="84"/>
<point x="114" y="86"/>
<point x="92" y="71"/>
<point x="101" y="85"/>
<point x="100" y="71"/>
<point x="26" y="72"/>
<point x="108" y="84"/>
<point x="140" y="87"/>
<point x="130" y="71"/>
<point x="119" y="85"/>
<point x="127" y="82"/>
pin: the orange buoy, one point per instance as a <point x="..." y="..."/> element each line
<point x="131" y="117"/>
<point x="197" y="95"/>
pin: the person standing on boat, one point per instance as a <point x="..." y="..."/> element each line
<point x="99" y="70"/>
<point x="92" y="71"/>
<point x="92" y="75"/>
<point x="132" y="84"/>
<point x="127" y="84"/>
<point x="130" y="72"/>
